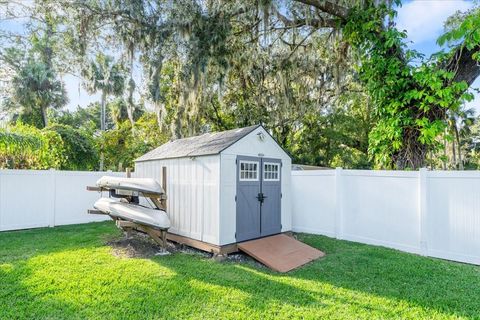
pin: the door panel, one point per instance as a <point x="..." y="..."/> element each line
<point x="271" y="188"/>
<point x="248" y="206"/>
<point x="258" y="200"/>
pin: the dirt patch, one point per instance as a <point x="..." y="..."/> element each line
<point x="134" y="247"/>
<point x="139" y="245"/>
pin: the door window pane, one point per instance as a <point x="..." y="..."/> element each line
<point x="271" y="171"/>
<point x="248" y="171"/>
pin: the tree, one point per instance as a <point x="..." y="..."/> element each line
<point x="289" y="64"/>
<point x="120" y="110"/>
<point x="35" y="88"/>
<point x="107" y="77"/>
<point x="123" y="145"/>
<point x="411" y="103"/>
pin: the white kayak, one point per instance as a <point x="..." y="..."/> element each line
<point x="132" y="184"/>
<point x="131" y="212"/>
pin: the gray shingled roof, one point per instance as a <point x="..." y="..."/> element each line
<point x="206" y="144"/>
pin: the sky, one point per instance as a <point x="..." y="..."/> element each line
<point x="422" y="19"/>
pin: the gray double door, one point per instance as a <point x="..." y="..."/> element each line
<point x="258" y="197"/>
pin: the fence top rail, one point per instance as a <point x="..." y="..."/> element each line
<point x="59" y="172"/>
<point x="365" y="173"/>
<point x="470" y="174"/>
<point x="313" y="172"/>
<point x="431" y="174"/>
<point x="381" y="173"/>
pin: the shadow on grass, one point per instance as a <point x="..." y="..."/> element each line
<point x="363" y="282"/>
<point x="69" y="273"/>
<point x="445" y="286"/>
<point x="27" y="243"/>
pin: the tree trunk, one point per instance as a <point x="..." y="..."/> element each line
<point x="103" y="111"/>
<point x="44" y="116"/>
<point x="457" y="138"/>
<point x="413" y="153"/>
<point x="411" y="158"/>
<point x="178" y="123"/>
<point x="102" y="126"/>
<point x="454" y="160"/>
<point x="131" y="88"/>
<point x="102" y="160"/>
<point x="444" y="161"/>
<point x="159" y="114"/>
<point x="130" y="110"/>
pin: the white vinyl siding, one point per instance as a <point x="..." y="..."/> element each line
<point x="193" y="194"/>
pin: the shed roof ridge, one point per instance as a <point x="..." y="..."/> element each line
<point x="208" y="143"/>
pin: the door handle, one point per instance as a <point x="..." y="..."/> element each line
<point x="261" y="197"/>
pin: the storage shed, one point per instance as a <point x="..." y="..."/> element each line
<point x="223" y="187"/>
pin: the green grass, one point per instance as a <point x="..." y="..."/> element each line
<point x="69" y="272"/>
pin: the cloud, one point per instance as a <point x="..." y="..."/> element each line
<point x="424" y="20"/>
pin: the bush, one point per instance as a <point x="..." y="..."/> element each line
<point x="26" y="147"/>
<point x="78" y="148"/>
<point x="123" y="145"/>
<point x="57" y="146"/>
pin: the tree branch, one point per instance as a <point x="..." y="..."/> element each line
<point x="465" y="67"/>
<point x="316" y="23"/>
<point x="328" y="7"/>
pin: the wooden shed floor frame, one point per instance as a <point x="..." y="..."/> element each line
<point x="157" y="236"/>
<point x="220" y="250"/>
<point x="216" y="250"/>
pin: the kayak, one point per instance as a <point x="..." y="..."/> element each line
<point x="146" y="185"/>
<point x="153" y="218"/>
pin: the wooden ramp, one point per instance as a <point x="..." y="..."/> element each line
<point x="280" y="252"/>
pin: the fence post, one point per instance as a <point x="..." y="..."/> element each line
<point x="338" y="203"/>
<point x="54" y="192"/>
<point x="423" y="210"/>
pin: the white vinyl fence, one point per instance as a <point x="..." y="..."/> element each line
<point x="433" y="213"/>
<point x="34" y="198"/>
<point x="430" y="213"/>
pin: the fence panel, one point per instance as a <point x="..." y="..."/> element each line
<point x="26" y="199"/>
<point x="313" y="202"/>
<point x="72" y="200"/>
<point x="41" y="198"/>
<point x="381" y="208"/>
<point x="431" y="213"/>
<point x="453" y="206"/>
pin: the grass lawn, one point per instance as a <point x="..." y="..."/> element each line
<point x="69" y="272"/>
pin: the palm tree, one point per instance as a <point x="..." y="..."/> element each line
<point x="459" y="124"/>
<point x="105" y="76"/>
<point x="36" y="89"/>
<point x="119" y="111"/>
